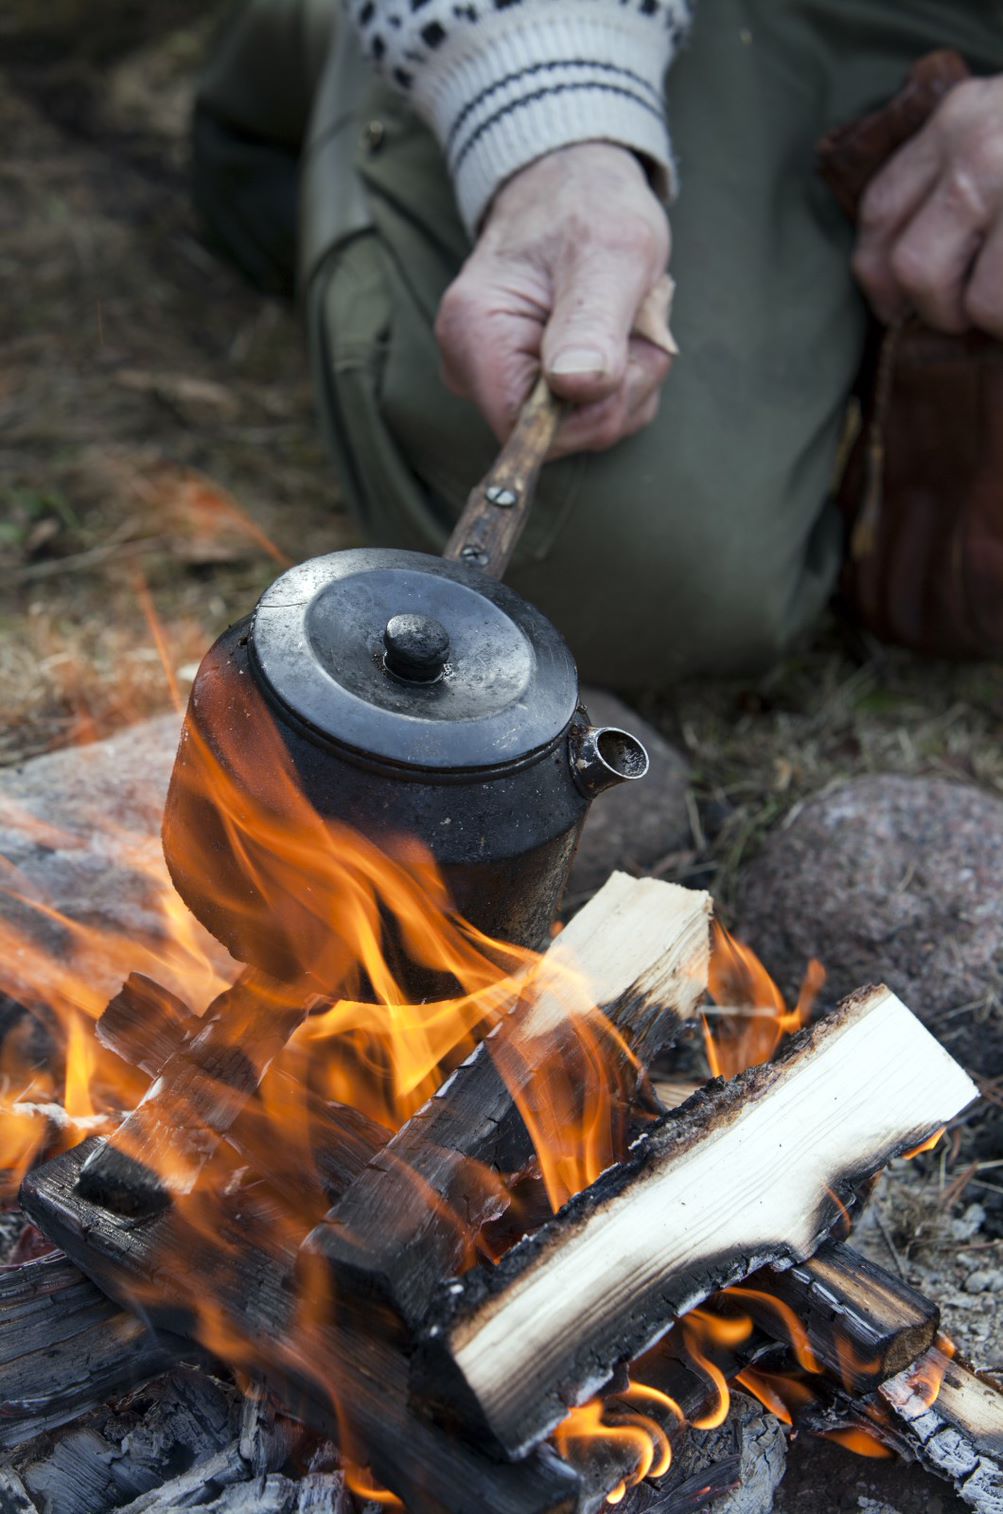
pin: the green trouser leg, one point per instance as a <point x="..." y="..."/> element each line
<point x="252" y="109"/>
<point x="706" y="543"/>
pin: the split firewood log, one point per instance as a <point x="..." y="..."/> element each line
<point x="754" y="1171"/>
<point x="409" y="1220"/>
<point x="163" y="1145"/>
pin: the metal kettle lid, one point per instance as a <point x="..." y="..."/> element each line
<point x="414" y="659"/>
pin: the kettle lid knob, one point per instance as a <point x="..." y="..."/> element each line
<point x="415" y="648"/>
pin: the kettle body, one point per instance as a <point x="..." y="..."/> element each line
<point x="426" y="714"/>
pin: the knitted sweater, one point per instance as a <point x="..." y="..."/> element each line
<point x="501" y="82"/>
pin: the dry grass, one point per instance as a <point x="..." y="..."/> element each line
<point x="143" y="390"/>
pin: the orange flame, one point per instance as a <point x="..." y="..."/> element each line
<point x="861" y="1442"/>
<point x="639" y="1435"/>
<point x="926" y="1145"/>
<point x="783" y="1393"/>
<point x="363" y="1044"/>
<point x="795" y="1330"/>
<point x="854" y="1369"/>
<point x="751" y="1017"/>
<point x="926" y="1377"/>
<point x="357" y="910"/>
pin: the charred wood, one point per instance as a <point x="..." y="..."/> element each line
<point x="675" y="1399"/>
<point x="162" y="1146"/>
<point x="860" y="1322"/>
<point x="695" y="1208"/>
<point x="350" y="1386"/>
<point x="955" y="1429"/>
<point x="411" y="1219"/>
<point x="939" y="1413"/>
<point x="145" y="1024"/>
<point x="734" y="1468"/>
<point x="14" y="1497"/>
<point x="204" y="1481"/>
<point x="268" y="1437"/>
<point x="129" y="1451"/>
<point x="65" y="1348"/>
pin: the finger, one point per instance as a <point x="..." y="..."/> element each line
<point x="645" y="415"/>
<point x="595" y="427"/>
<point x="892" y="198"/>
<point x="596" y="297"/>
<point x="489" y="355"/>
<point x="896" y="191"/>
<point x="983" y="298"/>
<point x="932" y="258"/>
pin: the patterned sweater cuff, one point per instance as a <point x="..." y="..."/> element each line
<point x="521" y="85"/>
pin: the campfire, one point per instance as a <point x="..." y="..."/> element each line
<point x="485" y="1245"/>
<point x="447" y="1203"/>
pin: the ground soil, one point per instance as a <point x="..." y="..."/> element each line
<point x="159" y="459"/>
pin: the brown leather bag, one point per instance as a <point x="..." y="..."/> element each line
<point x="922" y="490"/>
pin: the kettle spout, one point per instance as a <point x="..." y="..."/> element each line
<point x="603" y="755"/>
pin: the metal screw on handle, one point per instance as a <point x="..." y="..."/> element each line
<point x="497" y="509"/>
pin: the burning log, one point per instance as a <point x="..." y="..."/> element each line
<point x="959" y="1434"/>
<point x="640" y="948"/>
<point x="736" y="1467"/>
<point x="65" y="1347"/>
<point x="145" y="1024"/>
<point x="940" y="1413"/>
<point x="696" y="1207"/>
<point x="349" y="1385"/>
<point x="642" y="1430"/>
<point x="860" y="1323"/>
<point x="856" y="1319"/>
<point x="163" y="1145"/>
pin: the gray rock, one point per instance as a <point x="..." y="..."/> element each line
<point x="985" y="1280"/>
<point x="80" y="836"/>
<point x="967" y="1226"/>
<point x="897" y="880"/>
<point x="634" y="826"/>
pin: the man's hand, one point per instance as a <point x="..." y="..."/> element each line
<point x="931" y="222"/>
<point x="570" y="248"/>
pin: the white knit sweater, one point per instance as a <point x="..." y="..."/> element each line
<point x="503" y="81"/>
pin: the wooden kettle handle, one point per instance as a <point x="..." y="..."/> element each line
<point x="497" y="508"/>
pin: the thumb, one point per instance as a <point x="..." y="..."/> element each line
<point x="584" y="350"/>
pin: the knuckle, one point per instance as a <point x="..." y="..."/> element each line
<point x="987" y="153"/>
<point x="956" y="107"/>
<point x="608" y="429"/>
<point x="911" y="269"/>
<point x="650" y="240"/>
<point x="962" y="107"/>
<point x="455" y="308"/>
<point x="645" y="415"/>
<point x="876" y="207"/>
<point x="628" y="238"/>
<point x="964" y="188"/>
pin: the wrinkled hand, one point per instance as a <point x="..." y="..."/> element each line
<point x="571" y="247"/>
<point x="931" y="222"/>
